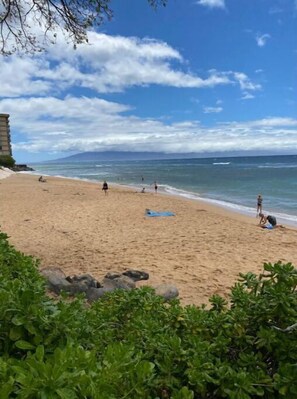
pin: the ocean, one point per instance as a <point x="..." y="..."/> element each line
<point x="232" y="183"/>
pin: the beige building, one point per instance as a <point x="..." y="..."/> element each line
<point x="5" y="146"/>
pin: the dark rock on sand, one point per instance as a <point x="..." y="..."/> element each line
<point x="84" y="279"/>
<point x="93" y="294"/>
<point x="167" y="291"/>
<point x="57" y="282"/>
<point x="112" y="276"/>
<point x="56" y="279"/>
<point x="136" y="275"/>
<point x="121" y="282"/>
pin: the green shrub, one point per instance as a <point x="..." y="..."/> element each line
<point x="131" y="344"/>
<point x="7" y="161"/>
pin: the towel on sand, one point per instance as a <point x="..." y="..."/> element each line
<point x="151" y="213"/>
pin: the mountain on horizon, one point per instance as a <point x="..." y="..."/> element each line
<point x="124" y="156"/>
<point x="143" y="156"/>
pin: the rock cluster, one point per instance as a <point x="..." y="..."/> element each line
<point x="57" y="281"/>
<point x="22" y="168"/>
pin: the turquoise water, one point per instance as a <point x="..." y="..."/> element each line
<point x="230" y="182"/>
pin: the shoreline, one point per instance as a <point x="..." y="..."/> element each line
<point x="69" y="223"/>
<point x="283" y="218"/>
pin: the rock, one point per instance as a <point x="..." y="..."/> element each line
<point x="21" y="168"/>
<point x="84" y="279"/>
<point x="136" y="275"/>
<point x="57" y="282"/>
<point x="52" y="271"/>
<point x="122" y="282"/>
<point x="56" y="279"/>
<point x="93" y="294"/>
<point x="167" y="291"/>
<point x="76" y="288"/>
<point x="112" y="276"/>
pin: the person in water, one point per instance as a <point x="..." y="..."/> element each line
<point x="105" y="187"/>
<point x="268" y="222"/>
<point x="156" y="187"/>
<point x="259" y="204"/>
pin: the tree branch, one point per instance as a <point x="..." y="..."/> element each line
<point x="73" y="17"/>
<point x="288" y="329"/>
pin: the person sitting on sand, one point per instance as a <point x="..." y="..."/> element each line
<point x="41" y="180"/>
<point x="105" y="187"/>
<point x="268" y="222"/>
<point x="143" y="190"/>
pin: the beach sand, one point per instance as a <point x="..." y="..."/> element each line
<point x="71" y="224"/>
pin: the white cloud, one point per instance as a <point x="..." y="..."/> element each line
<point x="262" y="39"/>
<point x="247" y="96"/>
<point x="211" y="110"/>
<point x="274" y="122"/>
<point x="277" y="10"/>
<point x="21" y="76"/>
<point x="90" y="124"/>
<point x="108" y="64"/>
<point x="212" y="3"/>
<point x="244" y="82"/>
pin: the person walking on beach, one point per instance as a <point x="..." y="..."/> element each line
<point x="156" y="187"/>
<point x="259" y="204"/>
<point x="105" y="187"/>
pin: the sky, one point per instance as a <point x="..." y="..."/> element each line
<point x="203" y="76"/>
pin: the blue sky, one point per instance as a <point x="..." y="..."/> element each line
<point x="205" y="76"/>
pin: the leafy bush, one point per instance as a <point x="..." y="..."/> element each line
<point x="131" y="344"/>
<point x="7" y="161"/>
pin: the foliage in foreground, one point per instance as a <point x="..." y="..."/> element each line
<point x="134" y="345"/>
<point x="7" y="161"/>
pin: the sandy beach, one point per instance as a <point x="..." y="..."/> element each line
<point x="71" y="224"/>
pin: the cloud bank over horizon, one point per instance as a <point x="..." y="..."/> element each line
<point x="134" y="92"/>
<point x="91" y="124"/>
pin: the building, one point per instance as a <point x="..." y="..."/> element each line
<point x="5" y="145"/>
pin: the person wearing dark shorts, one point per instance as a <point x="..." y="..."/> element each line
<point x="105" y="187"/>
<point x="259" y="204"/>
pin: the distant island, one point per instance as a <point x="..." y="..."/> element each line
<point x="124" y="156"/>
<point x="143" y="156"/>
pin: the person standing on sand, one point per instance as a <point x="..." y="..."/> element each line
<point x="156" y="187"/>
<point x="259" y="204"/>
<point x="105" y="187"/>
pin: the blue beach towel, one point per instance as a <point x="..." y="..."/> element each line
<point x="151" y="213"/>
